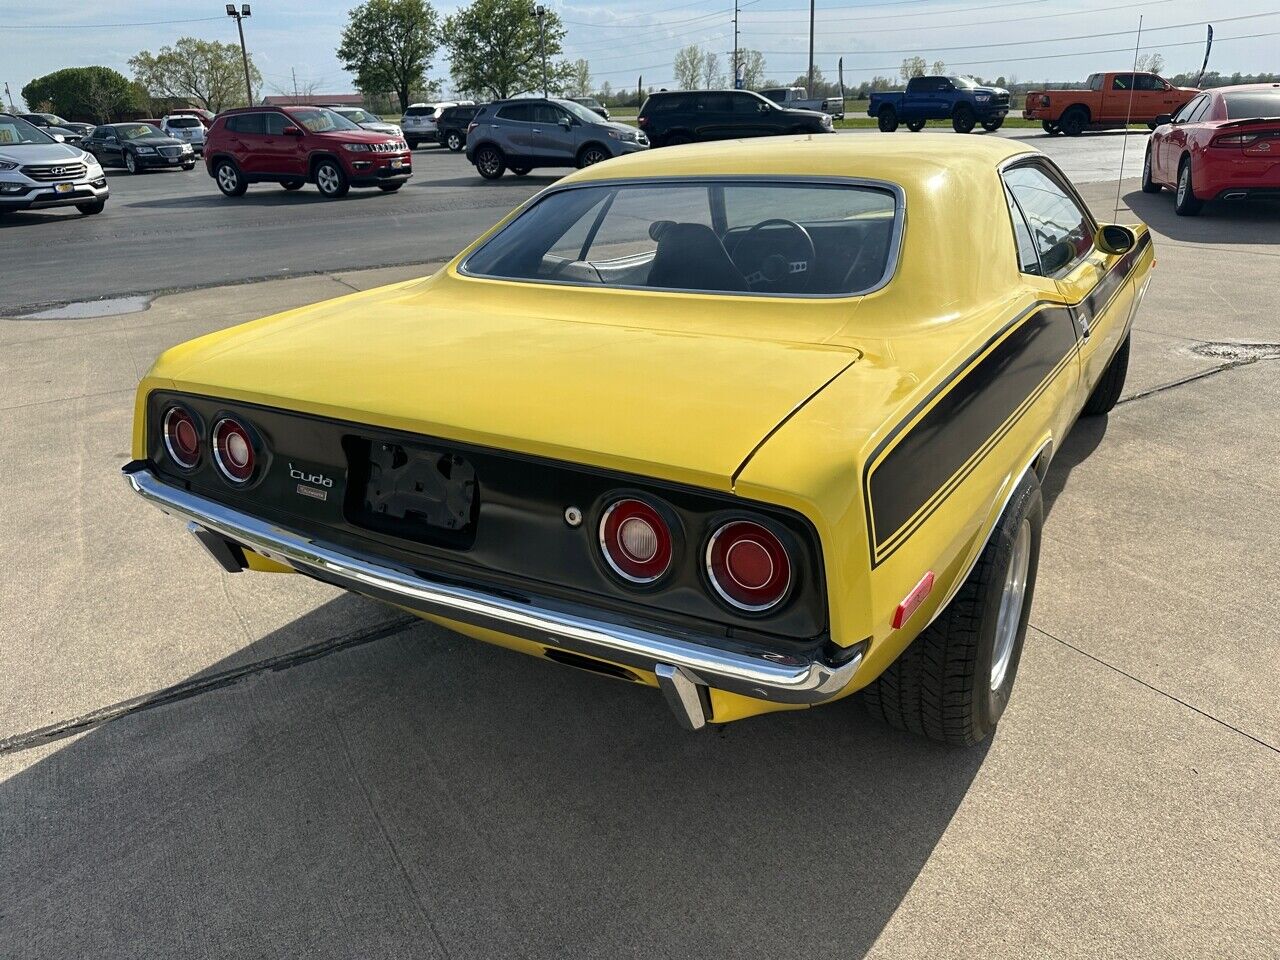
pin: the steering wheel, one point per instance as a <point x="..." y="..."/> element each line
<point x="787" y="267"/>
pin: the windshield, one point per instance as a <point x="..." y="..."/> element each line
<point x="963" y="83"/>
<point x="357" y="115"/>
<point x="136" y="131"/>
<point x="319" y="120"/>
<point x="15" y="131"/>
<point x="1244" y="106"/>
<point x="588" y="101"/>
<point x="702" y="236"/>
<point x="581" y="112"/>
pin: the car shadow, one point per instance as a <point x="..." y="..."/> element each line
<point x="508" y="180"/>
<point x="262" y="197"/>
<point x="428" y="795"/>
<point x="1247" y="222"/>
<point x="1084" y="438"/>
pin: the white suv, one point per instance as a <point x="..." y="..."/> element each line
<point x="419" y="120"/>
<point x="186" y="128"/>
<point x="37" y="171"/>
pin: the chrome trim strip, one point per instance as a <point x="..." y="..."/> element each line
<point x="778" y="677"/>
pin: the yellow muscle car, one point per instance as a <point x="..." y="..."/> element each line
<point x="759" y="424"/>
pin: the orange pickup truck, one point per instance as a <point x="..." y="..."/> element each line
<point x="1105" y="103"/>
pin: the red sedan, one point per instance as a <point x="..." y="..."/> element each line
<point x="1223" y="145"/>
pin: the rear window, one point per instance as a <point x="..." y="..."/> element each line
<point x="184" y="122"/>
<point x="703" y="236"/>
<point x="419" y="111"/>
<point x="1245" y="106"/>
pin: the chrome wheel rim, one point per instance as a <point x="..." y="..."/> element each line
<point x="130" y="162"/>
<point x="592" y="157"/>
<point x="1184" y="184"/>
<point x="327" y="178"/>
<point x="1011" y="601"/>
<point x="454" y="141"/>
<point x="488" y="162"/>
<point x="226" y="178"/>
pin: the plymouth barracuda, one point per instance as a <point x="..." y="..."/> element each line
<point x="760" y="424"/>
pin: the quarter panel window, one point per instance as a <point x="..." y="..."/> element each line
<point x="1190" y="108"/>
<point x="1061" y="231"/>
<point x="1028" y="258"/>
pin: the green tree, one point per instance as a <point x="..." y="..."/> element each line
<point x="688" y="66"/>
<point x="495" y="46"/>
<point x="388" y="45"/>
<point x="98" y="93"/>
<point x="207" y="71"/>
<point x="752" y="62"/>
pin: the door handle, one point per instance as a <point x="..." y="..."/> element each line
<point x="537" y="129"/>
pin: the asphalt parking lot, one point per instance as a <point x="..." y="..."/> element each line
<point x="196" y="763"/>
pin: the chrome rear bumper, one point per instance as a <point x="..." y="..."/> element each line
<point x="682" y="662"/>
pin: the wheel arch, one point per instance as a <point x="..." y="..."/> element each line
<point x="588" y="145"/>
<point x="314" y="160"/>
<point x="211" y="162"/>
<point x="1088" y="114"/>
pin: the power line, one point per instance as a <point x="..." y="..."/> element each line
<point x="103" y="26"/>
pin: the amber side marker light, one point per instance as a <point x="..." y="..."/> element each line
<point x="911" y="602"/>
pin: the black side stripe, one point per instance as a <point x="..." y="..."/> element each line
<point x="976" y="407"/>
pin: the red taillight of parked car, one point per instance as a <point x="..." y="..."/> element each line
<point x="1234" y="140"/>
<point x="635" y="541"/>
<point x="748" y="566"/>
<point x="233" y="450"/>
<point x="181" y="437"/>
<point x="642" y="121"/>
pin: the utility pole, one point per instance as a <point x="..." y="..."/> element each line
<point x="809" y="91"/>
<point x="294" y="72"/>
<point x="735" y="44"/>
<point x="541" y="13"/>
<point x="240" y="14"/>
<point x="10" y="96"/>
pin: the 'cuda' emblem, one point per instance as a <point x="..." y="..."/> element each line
<point x="319" y="479"/>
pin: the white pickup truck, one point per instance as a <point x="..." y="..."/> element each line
<point x="794" y="97"/>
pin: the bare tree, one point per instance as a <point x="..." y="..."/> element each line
<point x="711" y="75"/>
<point x="688" y="66"/>
<point x="1151" y="62"/>
<point x="913" y="67"/>
<point x="579" y="84"/>
<point x="939" y="68"/>
<point x="752" y="62"/>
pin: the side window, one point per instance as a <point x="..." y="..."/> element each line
<point x="1061" y="231"/>
<point x="1199" y="112"/>
<point x="1149" y="81"/>
<point x="246" y="123"/>
<point x="274" y="124"/>
<point x="740" y="103"/>
<point x="546" y="114"/>
<point x="917" y="85"/>
<point x="1185" y="113"/>
<point x="522" y="112"/>
<point x="1095" y="81"/>
<point x="628" y="229"/>
<point x="713" y="103"/>
<point x="99" y="133"/>
<point x="1028" y="259"/>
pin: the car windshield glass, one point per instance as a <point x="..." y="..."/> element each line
<point x="323" y="121"/>
<point x="356" y="115"/>
<point x="963" y="83"/>
<point x="14" y="131"/>
<point x="702" y="236"/>
<point x="136" y="131"/>
<point x="579" y="111"/>
<point x="1242" y="106"/>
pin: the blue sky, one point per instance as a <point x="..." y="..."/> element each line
<point x="1028" y="39"/>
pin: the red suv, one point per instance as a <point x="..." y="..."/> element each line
<point x="296" y="145"/>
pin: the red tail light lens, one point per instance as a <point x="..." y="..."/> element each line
<point x="1234" y="140"/>
<point x="233" y="450"/>
<point x="748" y="566"/>
<point x="636" y="541"/>
<point x="181" y="437"/>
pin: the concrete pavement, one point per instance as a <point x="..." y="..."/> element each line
<point x="330" y="780"/>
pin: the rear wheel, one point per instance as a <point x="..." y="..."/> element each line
<point x="331" y="179"/>
<point x="953" y="682"/>
<point x="1185" y="203"/>
<point x="887" y="119"/>
<point x="1107" y="393"/>
<point x="89" y="209"/>
<point x="229" y="180"/>
<point x="490" y="162"/>
<point x="991" y="126"/>
<point x="413" y="144"/>
<point x="915" y="126"/>
<point x="1050" y="128"/>
<point x="963" y="120"/>
<point x="521" y="171"/>
<point x="131" y="163"/>
<point x="453" y="140"/>
<point x="1074" y="121"/>
<point x="293" y="184"/>
<point x="1148" y="185"/>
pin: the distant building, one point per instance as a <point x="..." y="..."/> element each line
<point x="307" y="100"/>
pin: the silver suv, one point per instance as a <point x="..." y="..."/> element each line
<point x="37" y="171"/>
<point x="523" y="134"/>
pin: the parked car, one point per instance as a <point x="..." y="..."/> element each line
<point x="420" y="119"/>
<point x="1224" y="144"/>
<point x="1109" y="101"/>
<point x="961" y="100"/>
<point x="684" y="116"/>
<point x="451" y="128"/>
<point x="204" y="116"/>
<point x="186" y="128"/>
<point x="50" y="122"/>
<point x="368" y="121"/>
<point x="763" y="505"/>
<point x="296" y="145"/>
<point x="591" y="103"/>
<point x="37" y="171"/>
<point x="795" y="98"/>
<point x="138" y="147"/>
<point x="528" y="133"/>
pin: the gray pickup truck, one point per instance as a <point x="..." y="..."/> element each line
<point x="794" y="98"/>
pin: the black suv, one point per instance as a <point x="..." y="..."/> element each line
<point x="451" y="128"/>
<point x="688" y="115"/>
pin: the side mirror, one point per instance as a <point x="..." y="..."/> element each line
<point x="1115" y="239"/>
<point x="292" y="132"/>
<point x="1163" y="119"/>
<point x="565" y="123"/>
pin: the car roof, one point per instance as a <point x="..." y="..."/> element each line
<point x="1246" y="88"/>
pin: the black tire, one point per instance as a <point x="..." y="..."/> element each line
<point x="592" y="154"/>
<point x="390" y="187"/>
<point x="940" y="687"/>
<point x="1052" y="129"/>
<point x="915" y="126"/>
<point x="963" y="120"/>
<point x="1185" y="202"/>
<point x="1151" y="124"/>
<point x="1074" y="121"/>
<point x="331" y="179"/>
<point x="1149" y="185"/>
<point x="521" y="171"/>
<point x="94" y="206"/>
<point x="991" y="126"/>
<point x="189" y="166"/>
<point x="229" y="179"/>
<point x="132" y="165"/>
<point x="413" y="144"/>
<point x="887" y="119"/>
<point x="293" y="184"/>
<point x="1107" y="392"/>
<point x="490" y="162"/>
<point x="454" y="141"/>
<point x="676" y="139"/>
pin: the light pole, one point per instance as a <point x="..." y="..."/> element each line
<point x="735" y="44"/>
<point x="809" y="92"/>
<point x="240" y="14"/>
<point x="541" y="13"/>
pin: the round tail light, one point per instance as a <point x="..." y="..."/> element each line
<point x="636" y="541"/>
<point x="233" y="450"/>
<point x="748" y="566"/>
<point x="181" y="437"/>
